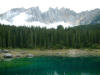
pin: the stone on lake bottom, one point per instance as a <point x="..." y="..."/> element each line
<point x="30" y="55"/>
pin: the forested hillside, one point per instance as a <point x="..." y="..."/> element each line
<point x="83" y="36"/>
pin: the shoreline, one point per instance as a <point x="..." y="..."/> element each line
<point x="60" y="52"/>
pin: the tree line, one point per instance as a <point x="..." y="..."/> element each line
<point x="82" y="36"/>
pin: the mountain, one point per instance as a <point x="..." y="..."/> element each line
<point x="33" y="15"/>
<point x="9" y="15"/>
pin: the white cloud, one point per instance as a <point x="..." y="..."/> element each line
<point x="76" y="5"/>
<point x="20" y="20"/>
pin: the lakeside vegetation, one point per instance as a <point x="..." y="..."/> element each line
<point x="82" y="36"/>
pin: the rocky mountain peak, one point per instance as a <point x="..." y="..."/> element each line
<point x="53" y="15"/>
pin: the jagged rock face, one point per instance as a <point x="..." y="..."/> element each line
<point x="34" y="14"/>
<point x="89" y="16"/>
<point x="54" y="15"/>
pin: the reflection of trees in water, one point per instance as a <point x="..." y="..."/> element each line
<point x="56" y="66"/>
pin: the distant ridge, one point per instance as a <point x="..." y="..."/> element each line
<point x="22" y="16"/>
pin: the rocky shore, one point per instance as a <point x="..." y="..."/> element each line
<point x="31" y="53"/>
<point x="14" y="54"/>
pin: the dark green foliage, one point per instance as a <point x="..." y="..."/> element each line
<point x="83" y="36"/>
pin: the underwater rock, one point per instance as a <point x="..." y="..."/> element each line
<point x="30" y="55"/>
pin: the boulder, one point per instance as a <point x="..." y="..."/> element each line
<point x="8" y="55"/>
<point x="5" y="51"/>
<point x="0" y="51"/>
<point x="18" y="55"/>
<point x="30" y="55"/>
<point x="23" y="52"/>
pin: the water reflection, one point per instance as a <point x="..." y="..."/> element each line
<point x="52" y="66"/>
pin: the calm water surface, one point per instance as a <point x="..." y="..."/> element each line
<point x="50" y="65"/>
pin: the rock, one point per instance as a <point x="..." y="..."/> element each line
<point x="5" y="51"/>
<point x="30" y="55"/>
<point x="59" y="53"/>
<point x="8" y="55"/>
<point x="0" y="51"/>
<point x="23" y="52"/>
<point x="18" y="55"/>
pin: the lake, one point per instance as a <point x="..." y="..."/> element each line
<point x="51" y="65"/>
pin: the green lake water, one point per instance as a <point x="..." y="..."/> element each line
<point x="50" y="65"/>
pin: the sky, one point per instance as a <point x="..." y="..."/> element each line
<point x="76" y="5"/>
